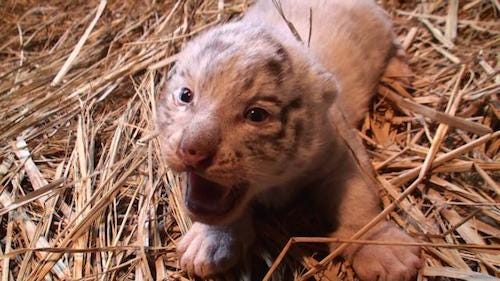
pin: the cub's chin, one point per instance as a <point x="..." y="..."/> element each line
<point x="211" y="203"/>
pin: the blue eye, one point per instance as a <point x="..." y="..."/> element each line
<point x="185" y="95"/>
<point x="257" y="114"/>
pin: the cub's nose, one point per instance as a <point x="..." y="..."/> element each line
<point x="199" y="144"/>
<point x="196" y="151"/>
<point x="194" y="157"/>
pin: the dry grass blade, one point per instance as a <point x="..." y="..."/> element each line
<point x="65" y="68"/>
<point x="279" y="8"/>
<point x="414" y="107"/>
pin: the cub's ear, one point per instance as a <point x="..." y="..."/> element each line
<point x="327" y="90"/>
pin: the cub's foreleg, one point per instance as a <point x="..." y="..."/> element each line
<point x="350" y="203"/>
<point x="207" y="250"/>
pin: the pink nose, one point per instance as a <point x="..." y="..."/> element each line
<point x="192" y="157"/>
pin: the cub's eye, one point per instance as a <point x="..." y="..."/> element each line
<point x="256" y="114"/>
<point x="185" y="95"/>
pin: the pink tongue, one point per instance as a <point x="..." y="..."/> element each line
<point x="203" y="196"/>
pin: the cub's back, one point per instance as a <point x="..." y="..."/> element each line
<point x="352" y="39"/>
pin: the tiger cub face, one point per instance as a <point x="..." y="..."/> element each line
<point x="242" y="111"/>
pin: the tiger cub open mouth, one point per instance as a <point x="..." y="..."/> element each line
<point x="209" y="201"/>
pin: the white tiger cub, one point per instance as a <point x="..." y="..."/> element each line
<point x="246" y="114"/>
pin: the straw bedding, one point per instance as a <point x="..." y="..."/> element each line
<point x="84" y="193"/>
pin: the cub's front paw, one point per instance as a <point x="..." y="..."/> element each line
<point x="208" y="250"/>
<point x="387" y="263"/>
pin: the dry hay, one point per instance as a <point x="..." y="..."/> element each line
<point x="83" y="194"/>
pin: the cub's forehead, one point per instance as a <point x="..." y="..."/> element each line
<point x="230" y="38"/>
<point x="234" y="64"/>
<point x="232" y="49"/>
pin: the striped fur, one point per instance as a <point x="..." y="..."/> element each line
<point x="258" y="62"/>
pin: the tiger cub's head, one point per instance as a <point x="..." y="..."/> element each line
<point x="242" y="111"/>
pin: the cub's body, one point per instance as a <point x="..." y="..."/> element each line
<point x="352" y="39"/>
<point x="248" y="114"/>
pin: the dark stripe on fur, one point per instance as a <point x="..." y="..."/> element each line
<point x="285" y="111"/>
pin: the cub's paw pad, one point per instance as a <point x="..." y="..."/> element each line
<point x="387" y="263"/>
<point x="205" y="251"/>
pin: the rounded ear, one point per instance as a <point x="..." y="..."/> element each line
<point x="327" y="89"/>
